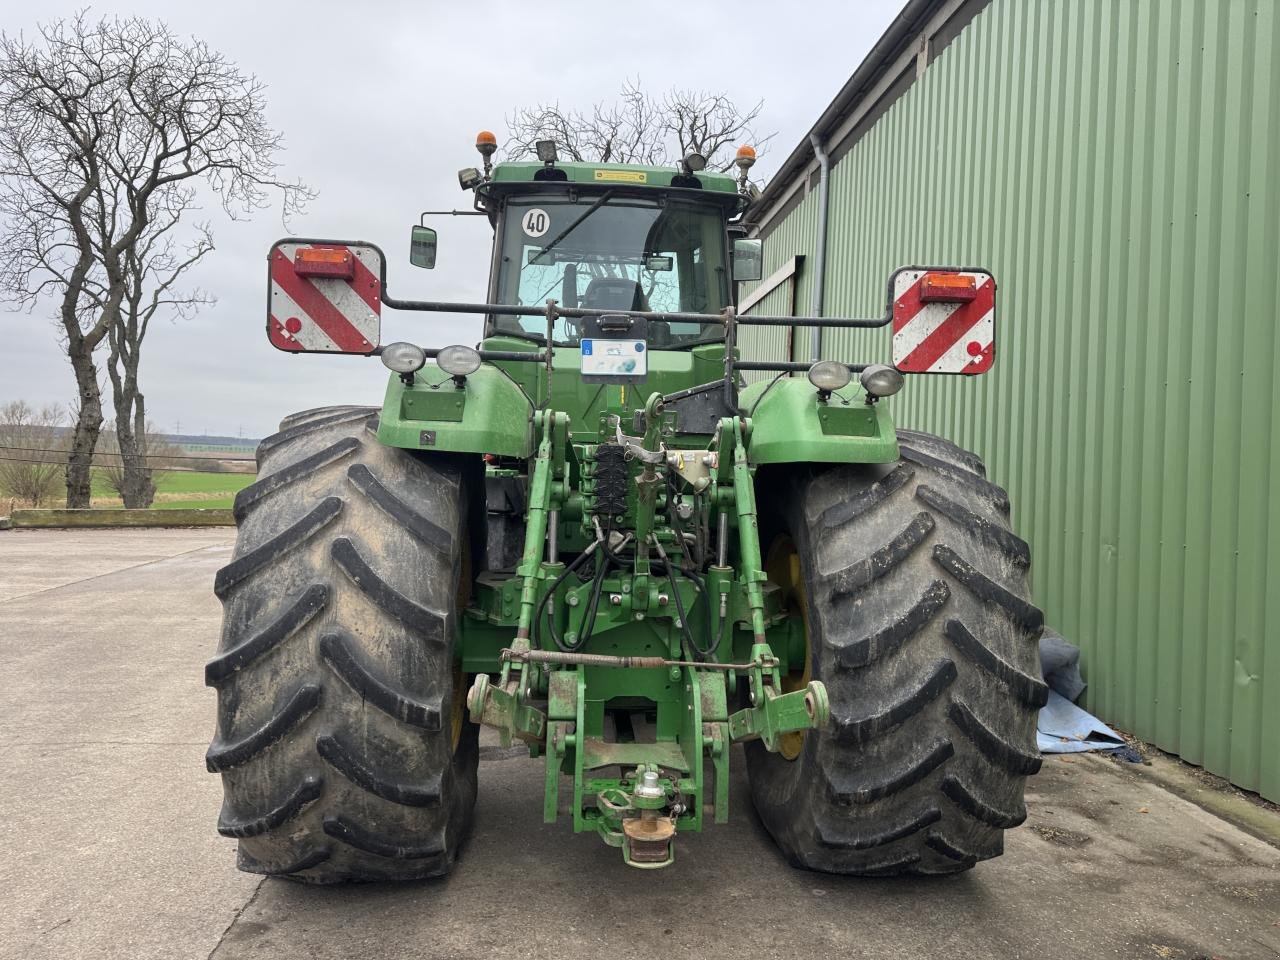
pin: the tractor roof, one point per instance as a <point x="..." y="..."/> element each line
<point x="611" y="174"/>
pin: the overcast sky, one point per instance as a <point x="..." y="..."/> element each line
<point x="379" y="103"/>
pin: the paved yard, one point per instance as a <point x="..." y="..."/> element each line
<point x="110" y="849"/>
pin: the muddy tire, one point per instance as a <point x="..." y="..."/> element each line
<point x="340" y="738"/>
<point x="321" y="413"/>
<point x="920" y="625"/>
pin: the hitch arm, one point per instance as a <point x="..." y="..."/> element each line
<point x="780" y="713"/>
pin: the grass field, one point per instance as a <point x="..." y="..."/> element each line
<point x="180" y="489"/>
<point x="200" y="489"/>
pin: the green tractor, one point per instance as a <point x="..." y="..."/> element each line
<point x="590" y="536"/>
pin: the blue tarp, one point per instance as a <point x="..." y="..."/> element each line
<point x="1065" y="728"/>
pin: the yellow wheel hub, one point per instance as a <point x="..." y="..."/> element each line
<point x="458" y="713"/>
<point x="782" y="565"/>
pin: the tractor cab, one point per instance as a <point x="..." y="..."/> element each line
<point x="615" y="240"/>
<point x="640" y="266"/>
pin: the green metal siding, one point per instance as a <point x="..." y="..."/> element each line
<point x="1117" y="166"/>
<point x="795" y="235"/>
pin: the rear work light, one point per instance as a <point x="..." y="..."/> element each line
<point x="324" y="262"/>
<point x="948" y="288"/>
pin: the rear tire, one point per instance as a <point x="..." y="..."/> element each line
<point x="919" y="624"/>
<point x="321" y="413"/>
<point x="341" y="741"/>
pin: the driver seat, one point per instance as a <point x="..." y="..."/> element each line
<point x="614" y="293"/>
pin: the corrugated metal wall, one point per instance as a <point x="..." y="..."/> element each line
<point x="1117" y="165"/>
<point x="794" y="235"/>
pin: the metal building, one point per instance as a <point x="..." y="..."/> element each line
<point x="1117" y="166"/>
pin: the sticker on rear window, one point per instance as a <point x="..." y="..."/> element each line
<point x="535" y="222"/>
<point x="613" y="358"/>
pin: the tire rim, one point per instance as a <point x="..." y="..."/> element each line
<point x="783" y="568"/>
<point x="458" y="712"/>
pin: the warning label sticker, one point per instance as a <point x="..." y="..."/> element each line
<point x="623" y="176"/>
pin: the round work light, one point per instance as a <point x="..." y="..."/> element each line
<point x="694" y="161"/>
<point x="403" y="358"/>
<point x="880" y="380"/>
<point x="829" y="375"/>
<point x="458" y="361"/>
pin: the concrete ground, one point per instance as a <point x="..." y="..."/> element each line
<point x="109" y="847"/>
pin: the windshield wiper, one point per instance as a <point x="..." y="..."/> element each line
<point x="569" y="229"/>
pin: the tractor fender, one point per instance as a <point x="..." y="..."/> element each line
<point x="488" y="413"/>
<point x="790" y="424"/>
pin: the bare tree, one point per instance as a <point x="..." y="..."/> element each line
<point x="118" y="473"/>
<point x="641" y="128"/>
<point x="710" y="124"/>
<point x="102" y="125"/>
<point x="152" y="268"/>
<point x="32" y="452"/>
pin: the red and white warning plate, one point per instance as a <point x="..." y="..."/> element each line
<point x="325" y="297"/>
<point x="944" y="321"/>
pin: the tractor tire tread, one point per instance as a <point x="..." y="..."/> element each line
<point x="283" y="438"/>
<point x="1032" y="692"/>
<point x="363" y="480"/>
<point x="347" y="762"/>
<point x="992" y="493"/>
<point x="292" y="474"/>
<point x="1013" y="547"/>
<point x="882" y="643"/>
<point x="337" y="736"/>
<point x="839" y="839"/>
<point x="255" y="824"/>
<point x="426" y="623"/>
<point x="271" y="552"/>
<point x="851" y="580"/>
<point x="862" y="503"/>
<point x="223" y="755"/>
<point x="943" y="449"/>
<point x="902" y="706"/>
<point x="921" y="627"/>
<point x="297" y="615"/>
<point x="307" y="860"/>
<point x="319" y="413"/>
<point x="870" y="785"/>
<point x="375" y="691"/>
<point x="341" y="828"/>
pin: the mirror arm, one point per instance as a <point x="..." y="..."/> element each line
<point x="448" y="213"/>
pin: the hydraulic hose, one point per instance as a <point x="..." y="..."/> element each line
<point x="555" y="585"/>
<point x="679" y="601"/>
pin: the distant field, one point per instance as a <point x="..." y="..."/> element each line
<point x="200" y="489"/>
<point x="180" y="489"/>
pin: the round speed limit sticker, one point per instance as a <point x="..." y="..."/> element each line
<point x="535" y="222"/>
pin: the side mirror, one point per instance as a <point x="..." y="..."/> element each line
<point x="422" y="247"/>
<point x="748" y="259"/>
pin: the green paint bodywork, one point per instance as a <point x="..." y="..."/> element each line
<point x="488" y="414"/>
<point x="491" y="414"/>
<point x="611" y="175"/>
<point x="790" y="425"/>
